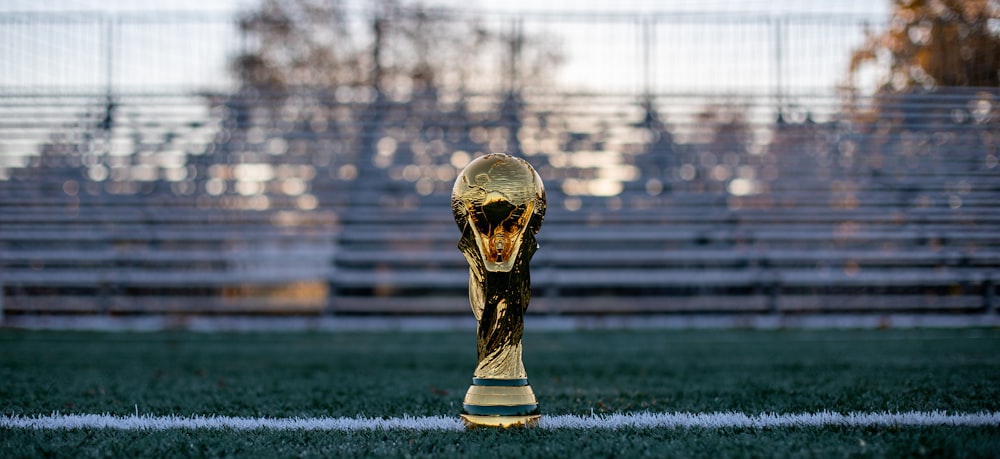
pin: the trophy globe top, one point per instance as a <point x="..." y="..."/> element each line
<point x="498" y="197"/>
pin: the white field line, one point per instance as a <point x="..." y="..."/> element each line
<point x="612" y="421"/>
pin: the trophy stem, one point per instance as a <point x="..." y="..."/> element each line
<point x="500" y="403"/>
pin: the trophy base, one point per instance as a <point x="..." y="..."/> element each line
<point x="472" y="421"/>
<point x="500" y="403"/>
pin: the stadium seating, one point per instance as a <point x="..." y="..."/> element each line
<point x="219" y="204"/>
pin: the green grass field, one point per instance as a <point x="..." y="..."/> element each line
<point x="389" y="374"/>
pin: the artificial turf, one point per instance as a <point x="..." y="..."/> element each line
<point x="426" y="373"/>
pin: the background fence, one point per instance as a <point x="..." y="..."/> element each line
<point x="608" y="53"/>
<point x="692" y="164"/>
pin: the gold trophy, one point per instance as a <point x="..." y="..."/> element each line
<point x="499" y="203"/>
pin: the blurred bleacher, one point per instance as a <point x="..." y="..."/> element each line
<point x="177" y="204"/>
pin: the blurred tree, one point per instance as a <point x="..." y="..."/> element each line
<point x="721" y="134"/>
<point x="301" y="42"/>
<point x="932" y="43"/>
<point x="941" y="64"/>
<point x="389" y="83"/>
<point x="723" y="126"/>
<point x="404" y="50"/>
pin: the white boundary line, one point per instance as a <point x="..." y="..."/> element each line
<point x="612" y="421"/>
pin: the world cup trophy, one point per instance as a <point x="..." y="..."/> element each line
<point x="499" y="203"/>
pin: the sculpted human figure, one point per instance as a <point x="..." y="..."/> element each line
<point x="499" y="203"/>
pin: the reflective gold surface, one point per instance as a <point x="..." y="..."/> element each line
<point x="499" y="198"/>
<point x="499" y="395"/>
<point x="473" y="421"/>
<point x="499" y="204"/>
